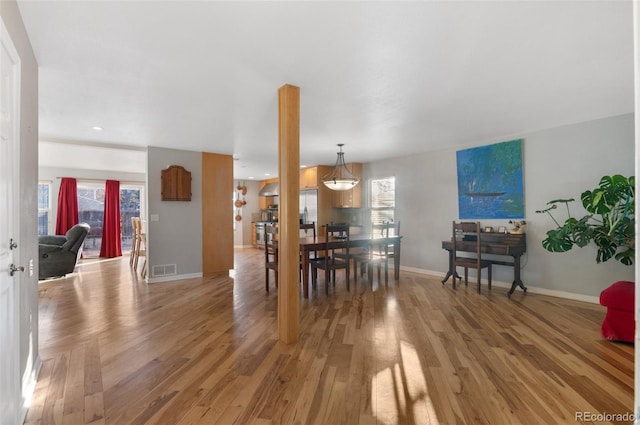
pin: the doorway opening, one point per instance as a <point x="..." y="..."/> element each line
<point x="91" y="211"/>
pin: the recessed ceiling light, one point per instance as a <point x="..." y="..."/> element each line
<point x="303" y="166"/>
<point x="267" y="174"/>
<point x="97" y="128"/>
<point x="251" y="178"/>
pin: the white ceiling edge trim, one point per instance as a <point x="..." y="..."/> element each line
<point x="92" y="156"/>
<point x="94" y="144"/>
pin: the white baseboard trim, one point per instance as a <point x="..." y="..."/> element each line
<point x="174" y="277"/>
<point x="506" y="285"/>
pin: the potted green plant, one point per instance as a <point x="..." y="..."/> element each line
<point x="610" y="222"/>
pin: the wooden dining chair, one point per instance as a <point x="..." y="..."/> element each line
<point x="469" y="234"/>
<point x="270" y="253"/>
<point x="330" y="262"/>
<point x="376" y="254"/>
<point x="394" y="230"/>
<point x="308" y="229"/>
<point x="135" y="225"/>
<point x="348" y="255"/>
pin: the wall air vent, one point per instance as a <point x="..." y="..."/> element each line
<point x="164" y="270"/>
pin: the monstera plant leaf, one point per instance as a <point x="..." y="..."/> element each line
<point x="573" y="232"/>
<point x="611" y="193"/>
<point x="610" y="223"/>
<point x="606" y="246"/>
<point x="582" y="232"/>
<point x="557" y="240"/>
<point x="626" y="256"/>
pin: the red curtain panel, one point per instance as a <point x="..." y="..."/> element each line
<point x="111" y="241"/>
<point x="67" y="206"/>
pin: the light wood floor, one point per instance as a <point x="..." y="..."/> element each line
<point x="205" y="351"/>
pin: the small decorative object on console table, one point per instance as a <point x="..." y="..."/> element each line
<point x="518" y="227"/>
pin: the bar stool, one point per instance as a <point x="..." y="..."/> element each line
<point x="143" y="253"/>
<point x="135" y="225"/>
<point x="139" y="246"/>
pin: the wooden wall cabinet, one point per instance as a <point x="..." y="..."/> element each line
<point x="351" y="198"/>
<point x="309" y="178"/>
<point x="176" y="184"/>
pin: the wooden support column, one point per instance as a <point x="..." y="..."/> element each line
<point x="289" y="214"/>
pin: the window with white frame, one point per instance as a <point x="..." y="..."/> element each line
<point x="383" y="199"/>
<point x="44" y="207"/>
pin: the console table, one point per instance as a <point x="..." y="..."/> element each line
<point x="512" y="245"/>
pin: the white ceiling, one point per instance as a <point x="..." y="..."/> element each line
<point x="386" y="78"/>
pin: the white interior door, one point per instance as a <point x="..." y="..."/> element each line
<point x="9" y="289"/>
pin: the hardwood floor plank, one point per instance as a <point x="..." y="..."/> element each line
<point x="73" y="411"/>
<point x="302" y="402"/>
<point x="261" y="404"/>
<point x="35" y="412"/>
<point x="205" y="351"/>
<point x="52" y="411"/>
<point x="321" y="396"/>
<point x="219" y="399"/>
<point x="94" y="409"/>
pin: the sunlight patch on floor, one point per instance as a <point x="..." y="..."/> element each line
<point x="399" y="393"/>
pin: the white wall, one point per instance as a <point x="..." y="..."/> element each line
<point x="176" y="238"/>
<point x="28" y="187"/>
<point x="558" y="163"/>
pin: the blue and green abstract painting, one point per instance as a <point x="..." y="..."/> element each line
<point x="490" y="181"/>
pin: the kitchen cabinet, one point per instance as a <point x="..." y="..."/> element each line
<point x="309" y="178"/>
<point x="176" y="184"/>
<point x="351" y="198"/>
<point x="265" y="202"/>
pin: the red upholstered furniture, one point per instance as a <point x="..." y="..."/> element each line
<point x="619" y="323"/>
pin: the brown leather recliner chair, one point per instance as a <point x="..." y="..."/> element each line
<point x="58" y="255"/>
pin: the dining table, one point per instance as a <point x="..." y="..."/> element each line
<point x="309" y="244"/>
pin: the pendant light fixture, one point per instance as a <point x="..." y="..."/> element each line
<point x="340" y="177"/>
